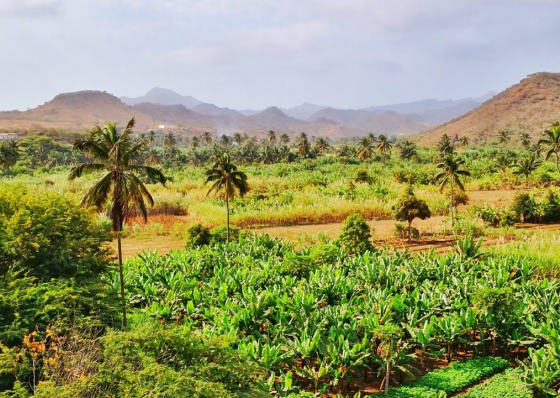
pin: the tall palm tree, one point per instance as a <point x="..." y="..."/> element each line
<point x="408" y="150"/>
<point x="503" y="161"/>
<point x="153" y="156"/>
<point x="464" y="141"/>
<point x="225" y="140"/>
<point x="284" y="139"/>
<point x="304" y="147"/>
<point x="9" y="154"/>
<point x="525" y="140"/>
<point x="384" y="145"/>
<point x="525" y="166"/>
<point x="365" y="149"/>
<point x="115" y="152"/>
<point x="206" y="138"/>
<point x="321" y="145"/>
<point x="271" y="136"/>
<point x="169" y="140"/>
<point x="451" y="173"/>
<point x="151" y="137"/>
<point x="372" y="138"/>
<point x="237" y="138"/>
<point x="195" y="142"/>
<point x="551" y="142"/>
<point x="227" y="178"/>
<point x="445" y="146"/>
<point x="503" y="136"/>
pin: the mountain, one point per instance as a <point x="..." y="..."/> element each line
<point x="531" y="105"/>
<point x="272" y="118"/>
<point x="163" y="96"/>
<point x="77" y="110"/>
<point x="213" y="110"/>
<point x="172" y="114"/>
<point x="303" y="111"/>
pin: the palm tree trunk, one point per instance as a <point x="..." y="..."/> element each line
<point x="557" y="165"/>
<point x="121" y="276"/>
<point x="409" y="231"/>
<point x="227" y="222"/>
<point x="451" y="203"/>
<point x="387" y="375"/>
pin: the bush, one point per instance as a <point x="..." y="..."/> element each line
<point x="219" y="234"/>
<point x="355" y="235"/>
<point x="297" y="265"/>
<point x="494" y="217"/>
<point x="363" y="176"/>
<point x="197" y="235"/>
<point x="524" y="207"/>
<point x="401" y="231"/>
<point x="503" y="385"/>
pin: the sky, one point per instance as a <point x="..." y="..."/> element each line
<point x="251" y="54"/>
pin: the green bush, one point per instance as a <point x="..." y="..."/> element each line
<point x="401" y="231"/>
<point x="503" y="385"/>
<point x="219" y="234"/>
<point x="355" y="236"/>
<point x="197" y="235"/>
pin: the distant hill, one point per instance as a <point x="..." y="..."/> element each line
<point x="163" y="96"/>
<point x="272" y="118"/>
<point x="303" y="111"/>
<point x="531" y="106"/>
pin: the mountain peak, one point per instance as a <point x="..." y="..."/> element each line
<point x="163" y="96"/>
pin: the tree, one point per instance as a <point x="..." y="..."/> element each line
<point x="355" y="236"/>
<point x="410" y="207"/>
<point x="525" y="140"/>
<point x="151" y="137"/>
<point x="169" y="140"/>
<point x="384" y="145"/>
<point x="237" y="138"/>
<point x="271" y="136"/>
<point x="225" y="140"/>
<point x="526" y="166"/>
<point x="408" y="150"/>
<point x="206" y="138"/>
<point x="464" y="141"/>
<point x="284" y="139"/>
<point x="503" y="161"/>
<point x="365" y="149"/>
<point x="503" y="137"/>
<point x="195" y="142"/>
<point x="9" y="154"/>
<point x="451" y="174"/>
<point x="304" y="147"/>
<point x="227" y="178"/>
<point x="551" y="143"/>
<point x="153" y="156"/>
<point x="321" y="145"/>
<point x="115" y="152"/>
<point x="445" y="146"/>
<point x="372" y="138"/>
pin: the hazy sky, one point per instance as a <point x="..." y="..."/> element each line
<point x="257" y="53"/>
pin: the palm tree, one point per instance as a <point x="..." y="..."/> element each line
<point x="372" y="138"/>
<point x="195" y="142"/>
<point x="153" y="156"/>
<point x="284" y="139"/>
<point x="526" y="166"/>
<point x="444" y="146"/>
<point x="206" y="138"/>
<point x="451" y="174"/>
<point x="384" y="146"/>
<point x="115" y="152"/>
<point x="503" y="161"/>
<point x="464" y="141"/>
<point x="321" y="145"/>
<point x="151" y="137"/>
<point x="408" y="150"/>
<point x="271" y="136"/>
<point x="169" y="140"/>
<point x="503" y="136"/>
<point x="225" y="140"/>
<point x="237" y="138"/>
<point x="365" y="149"/>
<point x="525" y="140"/>
<point x="304" y="147"/>
<point x="551" y="143"/>
<point x="228" y="179"/>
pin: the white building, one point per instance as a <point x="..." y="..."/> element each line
<point x="8" y="136"/>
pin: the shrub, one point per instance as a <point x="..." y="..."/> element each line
<point x="410" y="207"/>
<point x="363" y="176"/>
<point x="503" y="385"/>
<point x="524" y="207"/>
<point x="297" y="265"/>
<point x="401" y="231"/>
<point x="219" y="234"/>
<point x="496" y="217"/>
<point x="197" y="235"/>
<point x="355" y="236"/>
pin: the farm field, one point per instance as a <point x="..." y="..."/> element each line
<point x="347" y="271"/>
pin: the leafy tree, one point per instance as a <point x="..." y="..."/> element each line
<point x="284" y="139"/>
<point x="237" y="138"/>
<point x="410" y="207"/>
<point x="271" y="136"/>
<point x="9" y="154"/>
<point x="151" y="137"/>
<point x="321" y="145"/>
<point x="445" y="146"/>
<point x="195" y="142"/>
<point x="526" y="166"/>
<point x="384" y="145"/>
<point x="464" y="141"/>
<point x="116" y="152"/>
<point x="152" y="156"/>
<point x="225" y="140"/>
<point x="169" y="140"/>
<point x="504" y="137"/>
<point x="303" y="145"/>
<point x="525" y="140"/>
<point x="503" y="161"/>
<point x="355" y="236"/>
<point x="365" y="149"/>
<point x="372" y="138"/>
<point x="551" y="143"/>
<point x="197" y="235"/>
<point x="227" y="178"/>
<point x="451" y="173"/>
<point x="408" y="150"/>
<point x="206" y="138"/>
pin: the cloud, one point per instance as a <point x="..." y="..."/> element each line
<point x="30" y="8"/>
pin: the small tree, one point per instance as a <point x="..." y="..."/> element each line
<point x="410" y="207"/>
<point x="355" y="236"/>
